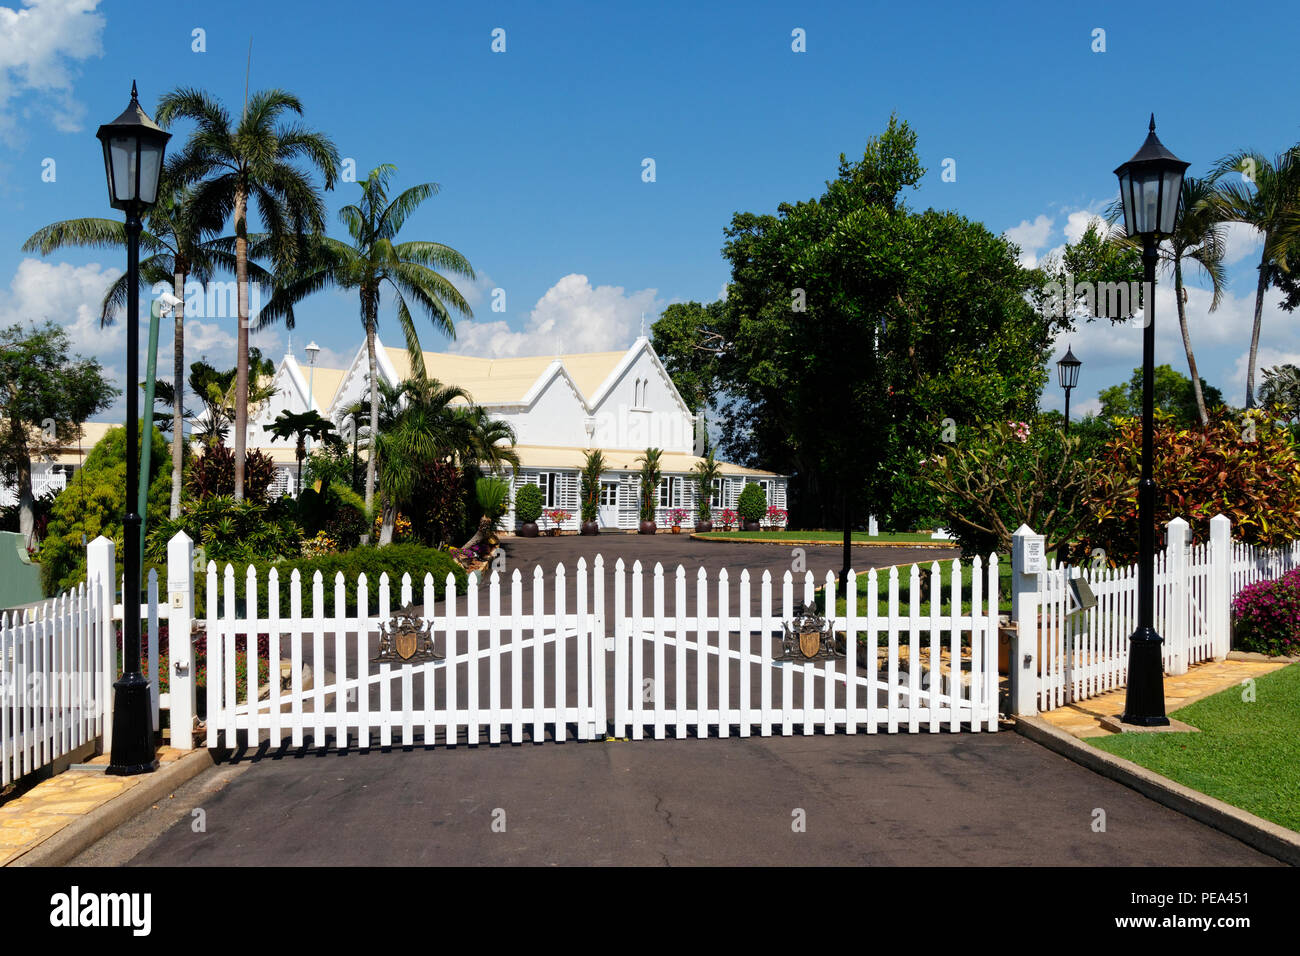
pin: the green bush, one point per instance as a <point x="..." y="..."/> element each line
<point x="752" y="503"/>
<point x="335" y="509"/>
<point x="94" y="503"/>
<point x="1266" y="616"/>
<point x="528" y="503"/>
<point x="393" y="559"/>
<point x="213" y="474"/>
<point x="230" y="530"/>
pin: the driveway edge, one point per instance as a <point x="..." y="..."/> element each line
<point x="938" y="545"/>
<point x="1263" y="835"/>
<point x="66" y="844"/>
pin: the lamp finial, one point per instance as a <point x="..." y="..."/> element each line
<point x="135" y="97"/>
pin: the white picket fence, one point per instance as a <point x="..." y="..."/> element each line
<point x="521" y="673"/>
<point x="51" y="682"/>
<point x="1081" y="653"/>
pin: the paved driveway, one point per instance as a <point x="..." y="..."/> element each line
<point x="989" y="799"/>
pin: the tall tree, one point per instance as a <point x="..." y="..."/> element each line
<point x="179" y="245"/>
<point x="1173" y="393"/>
<point x="374" y="258"/>
<point x="45" y="397"/>
<point x="1265" y="195"/>
<point x="254" y="162"/>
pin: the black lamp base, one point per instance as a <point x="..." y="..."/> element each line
<point x="1144" y="705"/>
<point x="133" y="746"/>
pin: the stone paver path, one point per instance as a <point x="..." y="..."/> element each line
<point x="30" y="818"/>
<point x="1083" y="718"/>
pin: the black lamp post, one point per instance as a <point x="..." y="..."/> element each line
<point x="133" y="159"/>
<point x="1067" y="369"/>
<point x="1150" y="187"/>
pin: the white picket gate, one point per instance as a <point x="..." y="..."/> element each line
<point x="521" y="674"/>
<point x="51" y="682"/>
<point x="1081" y="653"/>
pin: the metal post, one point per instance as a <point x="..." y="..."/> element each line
<point x="1145" y="701"/>
<point x="132" y="746"/>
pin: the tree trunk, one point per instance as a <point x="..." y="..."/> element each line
<point x="374" y="407"/>
<point x="241" y="342"/>
<point x="178" y="395"/>
<point x="1254" y="334"/>
<point x="26" y="500"/>
<point x="388" y="524"/>
<point x="1187" y="343"/>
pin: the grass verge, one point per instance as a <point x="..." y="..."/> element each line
<point x="1247" y="752"/>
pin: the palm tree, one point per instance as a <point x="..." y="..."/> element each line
<point x="487" y="444"/>
<point x="651" y="473"/>
<point x="253" y="162"/>
<point x="372" y="259"/>
<point x="301" y="426"/>
<point x="178" y="244"/>
<point x="707" y="470"/>
<point x="1272" y="207"/>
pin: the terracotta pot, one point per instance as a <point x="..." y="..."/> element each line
<point x="591" y="527"/>
<point x="677" y="529"/>
<point x="703" y="527"/>
<point x="748" y="525"/>
<point x="528" y="529"/>
<point x="647" y="527"/>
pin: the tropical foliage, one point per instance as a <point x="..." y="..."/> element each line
<point x="589" y="484"/>
<point x="650" y="475"/>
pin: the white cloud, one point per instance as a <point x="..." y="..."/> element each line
<point x="1076" y="224"/>
<point x="1030" y="237"/>
<point x="573" y="316"/>
<point x="1241" y="240"/>
<point x="39" y="47"/>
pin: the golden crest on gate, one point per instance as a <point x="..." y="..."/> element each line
<point x="406" y="639"/>
<point x="808" y="637"/>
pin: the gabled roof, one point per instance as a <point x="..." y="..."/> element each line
<point x="510" y="381"/>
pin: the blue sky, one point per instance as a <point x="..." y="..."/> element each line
<point x="539" y="150"/>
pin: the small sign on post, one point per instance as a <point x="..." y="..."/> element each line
<point x="1034" y="562"/>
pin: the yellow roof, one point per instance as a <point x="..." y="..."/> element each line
<point x="552" y="456"/>
<point x="503" y="381"/>
<point x="324" y="384"/>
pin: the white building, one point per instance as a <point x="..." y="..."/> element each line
<point x="559" y="406"/>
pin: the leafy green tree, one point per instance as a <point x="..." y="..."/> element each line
<point x="589" y="484"/>
<point x="688" y="337"/>
<point x="1074" y="283"/>
<point x="1252" y="190"/>
<point x="375" y="259"/>
<point x="1281" y="389"/>
<point x="95" y="503"/>
<point x="254" y="162"/>
<point x="854" y="327"/>
<point x="45" y="396"/>
<point x="651" y="473"/>
<point x="1172" y="394"/>
<point x="216" y="390"/>
<point x="706" y="472"/>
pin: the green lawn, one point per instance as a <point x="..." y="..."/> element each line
<point x="1247" y="754"/>
<point x="945" y="599"/>
<point x="827" y="536"/>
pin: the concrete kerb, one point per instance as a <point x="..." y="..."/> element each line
<point x="61" y="847"/>
<point x="1265" y="836"/>
<point x="937" y="545"/>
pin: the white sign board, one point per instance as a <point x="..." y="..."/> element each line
<point x="1034" y="556"/>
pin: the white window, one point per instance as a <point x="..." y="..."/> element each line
<point x="670" y="493"/>
<point x="549" y="482"/>
<point x="608" y="494"/>
<point x="717" y="491"/>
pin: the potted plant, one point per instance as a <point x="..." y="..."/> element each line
<point x="650" y="475"/>
<point x="528" y="508"/>
<point x="752" y="506"/>
<point x="728" y="518"/>
<point x="706" y="470"/>
<point x="557" y="517"/>
<point x="589" y="490"/>
<point x="776" y="517"/>
<point x="677" y="516"/>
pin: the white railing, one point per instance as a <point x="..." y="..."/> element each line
<point x="1079" y="652"/>
<point x="521" y="672"/>
<point x="51" y="682"/>
<point x="42" y="483"/>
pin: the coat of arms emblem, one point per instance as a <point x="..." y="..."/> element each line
<point x="808" y="637"/>
<point x="406" y="639"/>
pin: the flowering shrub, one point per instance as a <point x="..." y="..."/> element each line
<point x="677" y="516"/>
<point x="1020" y="430"/>
<point x="776" y="517"/>
<point x="1266" y="616"/>
<point x="728" y="518"/>
<point x="321" y="544"/>
<point x="402" y="530"/>
<point x="557" y="517"/>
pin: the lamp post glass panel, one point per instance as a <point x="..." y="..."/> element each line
<point x="1150" y="186"/>
<point x="312" y="351"/>
<point x="133" y="159"/>
<point x="1067" y="370"/>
